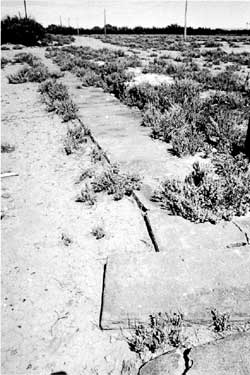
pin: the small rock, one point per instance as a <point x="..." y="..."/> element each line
<point x="6" y="195"/>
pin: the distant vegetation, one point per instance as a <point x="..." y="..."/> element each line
<point x="27" y="31"/>
<point x="18" y="30"/>
<point x="170" y="29"/>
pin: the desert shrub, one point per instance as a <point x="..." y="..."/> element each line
<point x="141" y="95"/>
<point x="75" y="138"/>
<point x="17" y="46"/>
<point x="212" y="44"/>
<point x="57" y="39"/>
<point x="56" y="97"/>
<point x="96" y="155"/>
<point x="162" y="331"/>
<point x="54" y="90"/>
<point x="27" y="58"/>
<point x="66" y="109"/>
<point x="222" y="119"/>
<point x="21" y="31"/>
<point x="89" y="77"/>
<point x="206" y="196"/>
<point x="187" y="141"/>
<point x="228" y="81"/>
<point x="37" y="73"/>
<point x="178" y="123"/>
<point x="116" y="183"/>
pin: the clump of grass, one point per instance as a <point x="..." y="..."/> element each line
<point x="209" y="196"/>
<point x="162" y="331"/>
<point x="220" y="321"/>
<point x="98" y="232"/>
<point x="116" y="183"/>
<point x="86" y="196"/>
<point x="6" y="147"/>
<point x="66" y="239"/>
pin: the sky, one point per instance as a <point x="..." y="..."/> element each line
<point x="89" y="13"/>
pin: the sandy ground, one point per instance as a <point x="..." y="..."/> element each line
<point x="51" y="292"/>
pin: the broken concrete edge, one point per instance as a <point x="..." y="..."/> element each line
<point x="179" y="361"/>
<point x="137" y="200"/>
<point x="102" y="295"/>
<point x="182" y="364"/>
<point x="132" y="322"/>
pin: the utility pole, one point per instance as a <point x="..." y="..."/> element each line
<point x="25" y="9"/>
<point x="60" y="21"/>
<point x="185" y="22"/>
<point x="105" y="29"/>
<point x="68" y="22"/>
<point x="77" y="26"/>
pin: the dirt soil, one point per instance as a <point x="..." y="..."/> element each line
<point x="52" y="287"/>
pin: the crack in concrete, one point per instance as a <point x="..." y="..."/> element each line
<point x="242" y="231"/>
<point x="187" y="361"/>
<point x="139" y="203"/>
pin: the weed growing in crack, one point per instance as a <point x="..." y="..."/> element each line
<point x="86" y="196"/>
<point x="220" y="321"/>
<point x="162" y="331"/>
<point x="116" y="183"/>
<point x="88" y="173"/>
<point x="97" y="155"/>
<point x="67" y="241"/>
<point x="98" y="232"/>
<point x="75" y="138"/>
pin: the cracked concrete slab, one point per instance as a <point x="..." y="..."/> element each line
<point x="173" y="233"/>
<point x="140" y="284"/>
<point x="229" y="356"/>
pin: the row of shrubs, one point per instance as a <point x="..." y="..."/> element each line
<point x="179" y="114"/>
<point x="32" y="71"/>
<point x="227" y="80"/>
<point x="56" y="97"/>
<point x="175" y="113"/>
